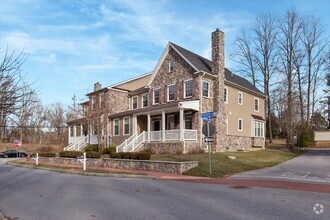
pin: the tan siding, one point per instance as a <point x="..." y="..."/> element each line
<point x="234" y="111"/>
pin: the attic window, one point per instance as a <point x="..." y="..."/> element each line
<point x="170" y="66"/>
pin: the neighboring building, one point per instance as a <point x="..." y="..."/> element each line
<point x="162" y="110"/>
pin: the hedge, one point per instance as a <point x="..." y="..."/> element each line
<point x="133" y="155"/>
<point x="92" y="148"/>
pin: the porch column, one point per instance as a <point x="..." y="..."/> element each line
<point x="148" y="126"/>
<point x="181" y="124"/>
<point x="74" y="132"/>
<point x="134" y="124"/>
<point x="69" y="135"/>
<point x="163" y="126"/>
<point x="81" y="130"/>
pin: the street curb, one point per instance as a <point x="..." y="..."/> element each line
<point x="135" y="176"/>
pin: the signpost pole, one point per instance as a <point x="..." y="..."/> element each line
<point x="208" y="144"/>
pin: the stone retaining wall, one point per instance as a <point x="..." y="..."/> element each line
<point x="146" y="165"/>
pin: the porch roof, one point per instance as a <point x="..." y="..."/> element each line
<point x="188" y="105"/>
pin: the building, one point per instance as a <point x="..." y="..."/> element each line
<point x="162" y="110"/>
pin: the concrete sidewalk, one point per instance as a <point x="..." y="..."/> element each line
<point x="290" y="185"/>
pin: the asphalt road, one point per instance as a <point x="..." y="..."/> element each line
<point x="313" y="167"/>
<point x="38" y="194"/>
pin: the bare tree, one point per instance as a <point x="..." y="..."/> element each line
<point x="290" y="27"/>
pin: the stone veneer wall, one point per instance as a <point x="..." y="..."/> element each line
<point x="145" y="165"/>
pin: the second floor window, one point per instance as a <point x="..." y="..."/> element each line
<point x="93" y="105"/>
<point x="101" y="101"/>
<point x="145" y="100"/>
<point x="225" y="99"/>
<point x="170" y="92"/>
<point x="188" y="88"/>
<point x="134" y="102"/>
<point x="206" y="89"/>
<point x="256" y="104"/>
<point x="156" y="96"/>
<point x="240" y="98"/>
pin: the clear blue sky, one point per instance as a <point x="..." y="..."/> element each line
<point x="74" y="43"/>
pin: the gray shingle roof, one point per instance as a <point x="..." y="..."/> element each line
<point x="205" y="65"/>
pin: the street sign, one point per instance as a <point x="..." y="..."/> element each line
<point x="208" y="139"/>
<point x="207" y="116"/>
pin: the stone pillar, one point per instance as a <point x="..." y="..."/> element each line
<point x="163" y="126"/>
<point x="148" y="126"/>
<point x="181" y="125"/>
<point x="218" y="69"/>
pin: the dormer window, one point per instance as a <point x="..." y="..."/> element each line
<point x="170" y="66"/>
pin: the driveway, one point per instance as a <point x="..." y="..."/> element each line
<point x="313" y="166"/>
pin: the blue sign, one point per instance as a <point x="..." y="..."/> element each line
<point x="207" y="116"/>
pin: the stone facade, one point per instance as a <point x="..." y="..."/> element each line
<point x="145" y="165"/>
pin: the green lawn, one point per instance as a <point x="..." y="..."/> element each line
<point x="222" y="166"/>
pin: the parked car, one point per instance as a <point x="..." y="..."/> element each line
<point x="12" y="153"/>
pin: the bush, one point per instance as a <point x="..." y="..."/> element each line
<point x="306" y="138"/>
<point x="47" y="154"/>
<point x="109" y="150"/>
<point x="92" y="148"/>
<point x="93" y="154"/>
<point x="71" y="154"/>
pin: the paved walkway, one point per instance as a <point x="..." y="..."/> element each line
<point x="311" y="167"/>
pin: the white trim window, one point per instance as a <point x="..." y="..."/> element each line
<point x="225" y="93"/>
<point x="240" y="98"/>
<point x="259" y="129"/>
<point x="134" y="102"/>
<point x="101" y="100"/>
<point x="187" y="88"/>
<point x="116" y="127"/>
<point x="126" y="126"/>
<point x="93" y="105"/>
<point x="145" y="100"/>
<point x="240" y="124"/>
<point x="170" y="66"/>
<point x="206" y="89"/>
<point x="156" y="96"/>
<point x="256" y="104"/>
<point x="170" y="92"/>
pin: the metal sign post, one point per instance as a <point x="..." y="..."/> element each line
<point x="207" y="116"/>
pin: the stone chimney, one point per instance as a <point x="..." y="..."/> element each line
<point x="97" y="86"/>
<point x="218" y="69"/>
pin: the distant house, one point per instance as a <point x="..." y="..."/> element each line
<point x="162" y="110"/>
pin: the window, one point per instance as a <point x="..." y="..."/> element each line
<point x="240" y="124"/>
<point x="101" y="101"/>
<point x="170" y="66"/>
<point x="126" y="126"/>
<point x="225" y="93"/>
<point x="134" y="102"/>
<point x="156" y="96"/>
<point x="256" y="105"/>
<point x="258" y="129"/>
<point x="206" y="89"/>
<point x="170" y="92"/>
<point x="188" y="122"/>
<point x="240" y="98"/>
<point x="188" y="88"/>
<point x="145" y="100"/>
<point x="115" y="127"/>
<point x="93" y="103"/>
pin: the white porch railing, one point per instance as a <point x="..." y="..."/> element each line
<point x="79" y="144"/>
<point x="132" y="143"/>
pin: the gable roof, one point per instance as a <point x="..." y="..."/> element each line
<point x="205" y="65"/>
